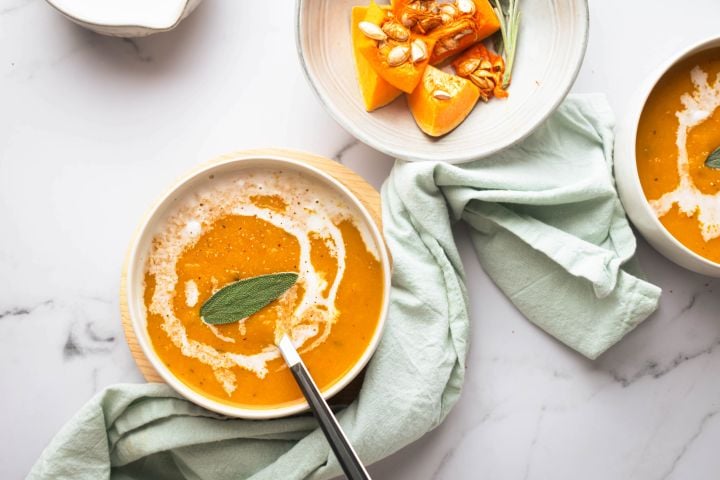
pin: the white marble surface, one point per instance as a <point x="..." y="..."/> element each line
<point x="93" y="128"/>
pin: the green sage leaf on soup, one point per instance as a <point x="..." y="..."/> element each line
<point x="713" y="160"/>
<point x="241" y="299"/>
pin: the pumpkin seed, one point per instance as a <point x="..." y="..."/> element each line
<point x="407" y="20"/>
<point x="418" y="51"/>
<point x="396" y="31"/>
<point x="449" y="43"/>
<point x="484" y="74"/>
<point x="449" y="9"/>
<point x="448" y="12"/>
<point x="468" y="66"/>
<point x="441" y="95"/>
<point x="482" y="82"/>
<point x="466" y="6"/>
<point x="372" y="31"/>
<point x="430" y="23"/>
<point x="398" y="55"/>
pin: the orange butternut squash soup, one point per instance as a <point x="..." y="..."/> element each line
<point x="255" y="223"/>
<point x="678" y="129"/>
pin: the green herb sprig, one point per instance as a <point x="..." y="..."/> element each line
<point x="509" y="16"/>
<point x="713" y="160"/>
<point x="245" y="297"/>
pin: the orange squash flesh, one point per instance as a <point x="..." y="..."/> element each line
<point x="486" y="21"/>
<point x="376" y="91"/>
<point x="404" y="77"/>
<point x="437" y="116"/>
<point x="459" y="41"/>
<point x="455" y="36"/>
<point x="485" y="24"/>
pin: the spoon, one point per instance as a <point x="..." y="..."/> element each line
<point x="348" y="459"/>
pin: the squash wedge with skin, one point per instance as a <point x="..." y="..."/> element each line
<point x="486" y="21"/>
<point x="405" y="76"/>
<point x="376" y="92"/>
<point x="454" y="37"/>
<point x="441" y="101"/>
<point x="485" y="24"/>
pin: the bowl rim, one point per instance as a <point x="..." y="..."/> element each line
<point x="136" y="307"/>
<point x="77" y="17"/>
<point x="458" y="158"/>
<point x="638" y="106"/>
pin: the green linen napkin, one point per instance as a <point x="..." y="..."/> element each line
<point x="546" y="223"/>
<point x="549" y="230"/>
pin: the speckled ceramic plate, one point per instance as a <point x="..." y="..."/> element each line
<point x="551" y="46"/>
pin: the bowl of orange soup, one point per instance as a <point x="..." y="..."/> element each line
<point x="243" y="216"/>
<point x="666" y="178"/>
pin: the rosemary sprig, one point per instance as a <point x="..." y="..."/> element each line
<point x="509" y="16"/>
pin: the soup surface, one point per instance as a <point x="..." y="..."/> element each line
<point x="260" y="222"/>
<point x="679" y="128"/>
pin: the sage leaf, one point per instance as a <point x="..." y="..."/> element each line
<point x="243" y="298"/>
<point x="713" y="160"/>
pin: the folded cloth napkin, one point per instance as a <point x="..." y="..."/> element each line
<point x="549" y="230"/>
<point x="545" y="221"/>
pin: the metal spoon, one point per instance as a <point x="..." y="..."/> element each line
<point x="348" y="459"/>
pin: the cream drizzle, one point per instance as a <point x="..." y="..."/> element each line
<point x="311" y="209"/>
<point x="216" y="331"/>
<point x="699" y="106"/>
<point x="191" y="293"/>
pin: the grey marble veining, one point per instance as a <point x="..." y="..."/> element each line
<point x="94" y="128"/>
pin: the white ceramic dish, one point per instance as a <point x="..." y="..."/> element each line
<point x="628" y="180"/>
<point x="551" y="46"/>
<point x="126" y="18"/>
<point x="153" y="222"/>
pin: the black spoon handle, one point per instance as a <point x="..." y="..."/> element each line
<point x="348" y="459"/>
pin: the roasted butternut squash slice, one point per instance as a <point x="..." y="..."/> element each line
<point x="393" y="52"/>
<point x="454" y="25"/>
<point x="486" y="22"/>
<point x="441" y="101"/>
<point x="376" y="91"/>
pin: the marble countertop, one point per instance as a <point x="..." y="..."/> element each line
<point x="93" y="128"/>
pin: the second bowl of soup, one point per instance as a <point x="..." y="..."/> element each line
<point x="665" y="167"/>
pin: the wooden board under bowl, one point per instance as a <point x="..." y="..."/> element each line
<point x="365" y="192"/>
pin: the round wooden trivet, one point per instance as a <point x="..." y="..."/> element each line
<point x="354" y="182"/>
